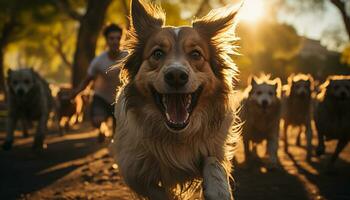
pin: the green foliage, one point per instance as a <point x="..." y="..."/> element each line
<point x="33" y="41"/>
<point x="266" y="46"/>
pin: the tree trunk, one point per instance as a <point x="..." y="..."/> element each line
<point x="341" y="7"/>
<point x="2" y="76"/>
<point x="6" y="31"/>
<point x="90" y="26"/>
<point x="126" y="13"/>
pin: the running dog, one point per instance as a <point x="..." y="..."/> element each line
<point x="176" y="112"/>
<point x="297" y="108"/>
<point x="261" y="116"/>
<point x="29" y="98"/>
<point x="332" y="114"/>
<point x="68" y="111"/>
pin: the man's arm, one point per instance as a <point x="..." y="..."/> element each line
<point x="81" y="86"/>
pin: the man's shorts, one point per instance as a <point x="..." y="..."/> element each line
<point x="101" y="108"/>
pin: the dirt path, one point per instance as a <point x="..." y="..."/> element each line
<point x="75" y="166"/>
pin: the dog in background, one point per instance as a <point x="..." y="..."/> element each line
<point x="175" y="113"/>
<point x="297" y="108"/>
<point x="260" y="113"/>
<point x="29" y="98"/>
<point x="332" y="114"/>
<point x="68" y="111"/>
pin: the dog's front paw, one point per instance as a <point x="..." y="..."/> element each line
<point x="38" y="144"/>
<point x="7" y="145"/>
<point x="215" y="182"/>
<point x="215" y="195"/>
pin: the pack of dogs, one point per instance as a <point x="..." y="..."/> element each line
<point x="177" y="116"/>
<point x="30" y="101"/>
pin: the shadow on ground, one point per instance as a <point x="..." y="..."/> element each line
<point x="331" y="185"/>
<point x="256" y="182"/>
<point x="23" y="171"/>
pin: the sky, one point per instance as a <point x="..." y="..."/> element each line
<point x="309" y="24"/>
<point x="313" y="25"/>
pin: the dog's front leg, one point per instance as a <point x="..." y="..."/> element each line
<point x="40" y="133"/>
<point x="308" y="133"/>
<point x="285" y="135"/>
<point x="272" y="148"/>
<point x="215" y="180"/>
<point x="247" y="153"/>
<point x="11" y="125"/>
<point x="25" y="128"/>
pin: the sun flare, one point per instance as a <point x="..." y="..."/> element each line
<point x="252" y="11"/>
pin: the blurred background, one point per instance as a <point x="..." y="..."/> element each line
<point x="60" y="37"/>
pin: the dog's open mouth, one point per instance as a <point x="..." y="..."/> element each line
<point x="176" y="107"/>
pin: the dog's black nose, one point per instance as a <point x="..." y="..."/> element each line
<point x="175" y="77"/>
<point x="264" y="103"/>
<point x="20" y="92"/>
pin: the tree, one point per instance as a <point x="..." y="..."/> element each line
<point x="90" y="24"/>
<point x="316" y="9"/>
<point x="17" y="19"/>
<point x="341" y="7"/>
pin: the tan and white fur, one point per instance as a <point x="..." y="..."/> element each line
<point x="297" y="109"/>
<point x="29" y="99"/>
<point x="261" y="116"/>
<point x="332" y="114"/>
<point x="175" y="112"/>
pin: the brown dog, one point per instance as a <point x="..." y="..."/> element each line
<point x="332" y="114"/>
<point x="68" y="110"/>
<point x="261" y="116"/>
<point x="174" y="113"/>
<point x="297" y="108"/>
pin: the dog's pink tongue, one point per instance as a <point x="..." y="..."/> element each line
<point x="176" y="108"/>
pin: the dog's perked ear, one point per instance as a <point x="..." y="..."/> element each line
<point x="215" y="22"/>
<point x="145" y="18"/>
<point x="311" y="81"/>
<point x="9" y="71"/>
<point x="291" y="79"/>
<point x="217" y="29"/>
<point x="278" y="86"/>
<point x="34" y="75"/>
<point x="252" y="80"/>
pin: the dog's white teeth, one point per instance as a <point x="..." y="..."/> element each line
<point x="187" y="115"/>
<point x="189" y="101"/>
<point x="168" y="117"/>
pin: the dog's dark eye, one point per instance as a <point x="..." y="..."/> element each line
<point x="158" y="54"/>
<point x="259" y="93"/>
<point x="270" y="93"/>
<point x="26" y="81"/>
<point x="14" y="82"/>
<point x="195" y="55"/>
